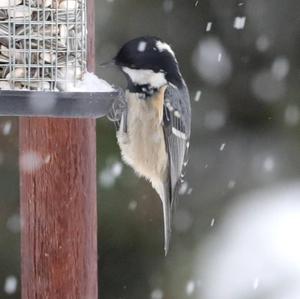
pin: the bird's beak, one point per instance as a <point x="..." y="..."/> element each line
<point x="109" y="63"/>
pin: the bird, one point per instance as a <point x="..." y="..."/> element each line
<point x="153" y="122"/>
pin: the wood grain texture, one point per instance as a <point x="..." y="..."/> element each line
<point x="58" y="209"/>
<point x="58" y="204"/>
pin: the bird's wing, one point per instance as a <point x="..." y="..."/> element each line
<point x="177" y="130"/>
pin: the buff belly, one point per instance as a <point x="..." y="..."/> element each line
<point x="143" y="146"/>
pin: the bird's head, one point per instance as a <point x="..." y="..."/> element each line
<point x="148" y="63"/>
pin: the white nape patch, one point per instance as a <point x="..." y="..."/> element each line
<point x="161" y="46"/>
<point x="178" y="134"/>
<point x="142" y="46"/>
<point x="143" y="77"/>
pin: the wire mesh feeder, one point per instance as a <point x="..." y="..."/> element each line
<point x="43" y="47"/>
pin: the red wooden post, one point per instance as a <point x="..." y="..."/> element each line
<point x="58" y="203"/>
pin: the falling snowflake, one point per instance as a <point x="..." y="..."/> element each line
<point x="10" y="285"/>
<point x="168" y="6"/>
<point x="132" y="205"/>
<point x="231" y="184"/>
<point x="268" y="164"/>
<point x="206" y="60"/>
<point x="222" y="147"/>
<point x="182" y="220"/>
<point x="239" y="23"/>
<point x="198" y="96"/>
<point x="183" y="188"/>
<point x="31" y="161"/>
<point x="280" y="68"/>
<point x="190" y="287"/>
<point x="214" y="119"/>
<point x="110" y="174"/>
<point x="292" y="115"/>
<point x="208" y="26"/>
<point x="262" y="43"/>
<point x="267" y="87"/>
<point x="142" y="46"/>
<point x="157" y="294"/>
<point x="7" y="128"/>
<point x="13" y="223"/>
<point x="255" y="283"/>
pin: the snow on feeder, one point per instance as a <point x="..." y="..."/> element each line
<point x="44" y="53"/>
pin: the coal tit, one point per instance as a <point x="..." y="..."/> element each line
<point x="154" y="125"/>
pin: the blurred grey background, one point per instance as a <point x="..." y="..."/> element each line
<point x="230" y="239"/>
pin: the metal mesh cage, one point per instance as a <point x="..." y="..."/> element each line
<point x="43" y="44"/>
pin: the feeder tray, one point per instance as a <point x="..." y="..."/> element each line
<point x="57" y="104"/>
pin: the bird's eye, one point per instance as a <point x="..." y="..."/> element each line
<point x="154" y="48"/>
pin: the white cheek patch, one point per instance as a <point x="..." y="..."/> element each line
<point x="161" y="46"/>
<point x="144" y="77"/>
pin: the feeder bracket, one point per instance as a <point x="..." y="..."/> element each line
<point x="57" y="104"/>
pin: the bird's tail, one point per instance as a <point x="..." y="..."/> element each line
<point x="167" y="220"/>
<point x="164" y="191"/>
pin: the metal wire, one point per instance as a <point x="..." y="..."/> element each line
<point x="43" y="44"/>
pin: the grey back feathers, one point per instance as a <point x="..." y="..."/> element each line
<point x="177" y="130"/>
